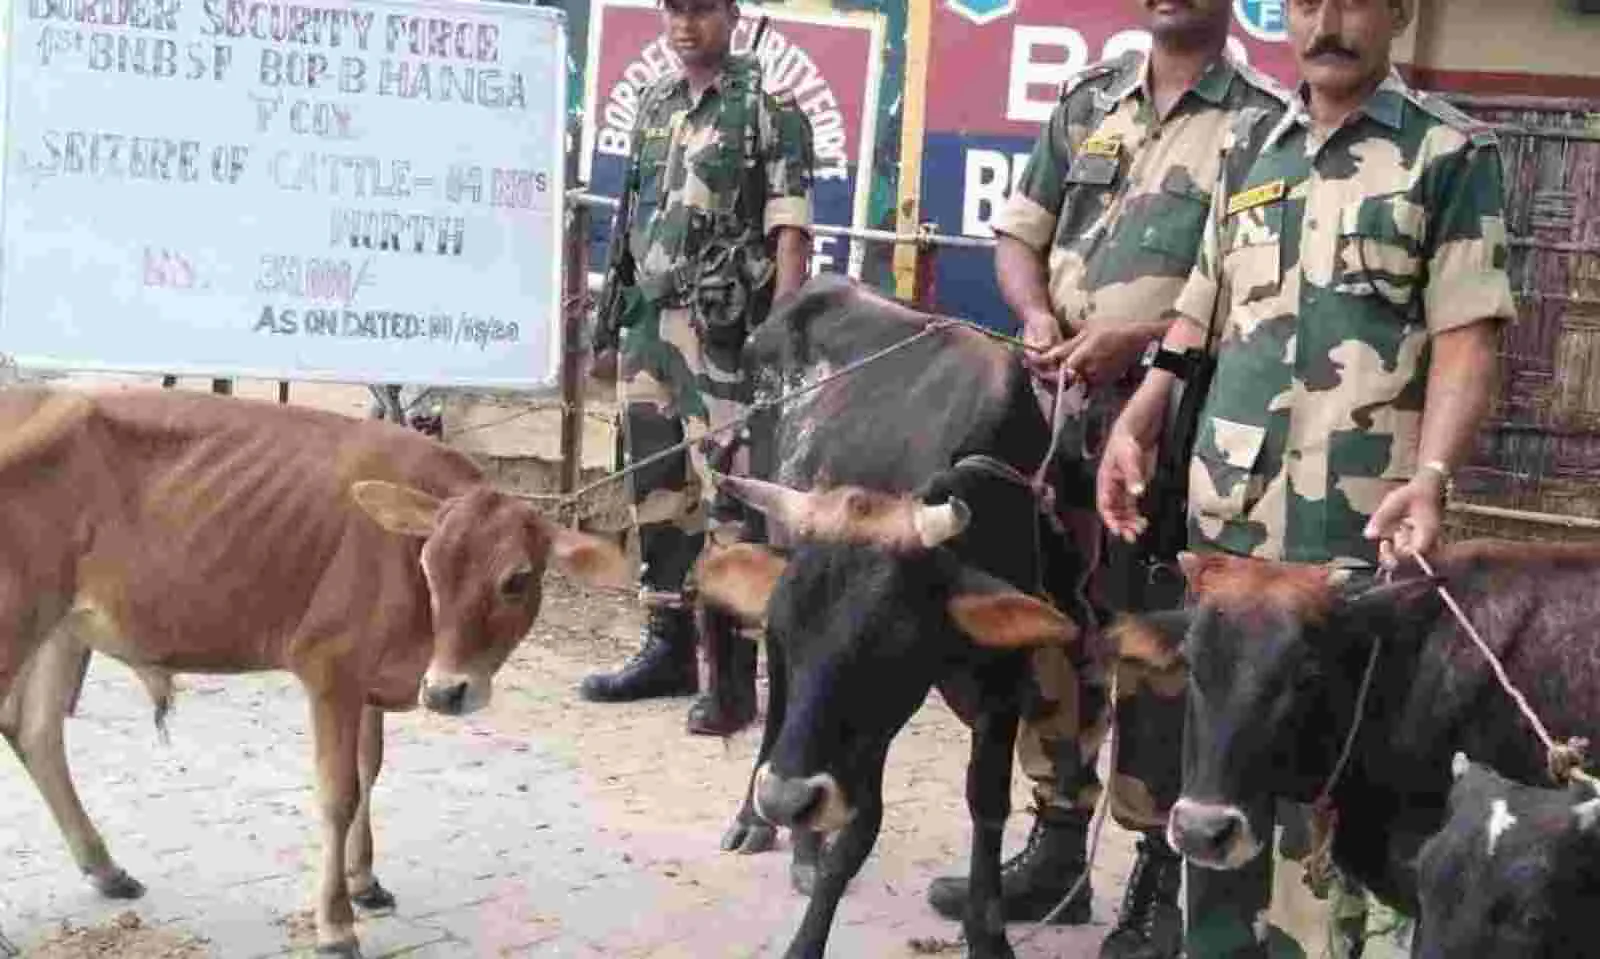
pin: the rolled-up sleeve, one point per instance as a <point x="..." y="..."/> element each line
<point x="1198" y="299"/>
<point x="790" y="162"/>
<point x="1029" y="213"/>
<point x="1467" y="278"/>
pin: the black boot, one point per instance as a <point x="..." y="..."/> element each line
<point x="1150" y="925"/>
<point x="664" y="667"/>
<point x="1033" y="881"/>
<point x="729" y="705"/>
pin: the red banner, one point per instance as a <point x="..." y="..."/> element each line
<point x="831" y="62"/>
<point x="1030" y="47"/>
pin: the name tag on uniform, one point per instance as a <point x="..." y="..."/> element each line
<point x="656" y="133"/>
<point x="1256" y="196"/>
<point x="1102" y="145"/>
<point x="1093" y="170"/>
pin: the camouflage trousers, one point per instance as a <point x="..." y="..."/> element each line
<point x="1065" y="725"/>
<point x="1264" y="909"/>
<point x="674" y="386"/>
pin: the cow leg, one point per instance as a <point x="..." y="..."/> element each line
<point x="33" y="720"/>
<point x="989" y="803"/>
<point x="336" y="729"/>
<point x="840" y="863"/>
<point x="749" y="832"/>
<point x="365" y="890"/>
<point x="805" y="860"/>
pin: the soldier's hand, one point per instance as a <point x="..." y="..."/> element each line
<point x="1125" y="467"/>
<point x="1041" y="331"/>
<point x="1103" y="352"/>
<point x="1407" y="521"/>
<point x="603" y="365"/>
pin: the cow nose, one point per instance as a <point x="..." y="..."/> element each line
<point x="1208" y="834"/>
<point x="785" y="802"/>
<point x="448" y="699"/>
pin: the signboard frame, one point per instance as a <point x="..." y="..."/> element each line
<point x="544" y="370"/>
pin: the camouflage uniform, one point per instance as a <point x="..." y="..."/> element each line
<point x="1119" y="199"/>
<point x="675" y="378"/>
<point x="735" y="152"/>
<point x="1115" y="198"/>
<point x="1328" y="264"/>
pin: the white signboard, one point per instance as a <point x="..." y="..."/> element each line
<point x="355" y="190"/>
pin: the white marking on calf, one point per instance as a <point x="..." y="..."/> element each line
<point x="1500" y="820"/>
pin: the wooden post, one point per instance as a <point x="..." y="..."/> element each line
<point x="914" y="98"/>
<point x="927" y="294"/>
<point x="575" y="296"/>
<point x="283" y="392"/>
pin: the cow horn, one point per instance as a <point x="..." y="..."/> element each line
<point x="936" y="524"/>
<point x="772" y="500"/>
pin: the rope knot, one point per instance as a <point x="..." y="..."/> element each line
<point x="1566" y="759"/>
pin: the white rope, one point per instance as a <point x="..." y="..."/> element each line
<point x="1565" y="759"/>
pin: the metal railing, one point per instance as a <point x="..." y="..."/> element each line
<point x="928" y="237"/>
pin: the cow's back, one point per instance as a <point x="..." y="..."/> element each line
<point x="900" y="419"/>
<point x="207" y="532"/>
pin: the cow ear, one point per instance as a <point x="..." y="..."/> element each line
<point x="1395" y="594"/>
<point x="740" y="579"/>
<point x="995" y="615"/>
<point x="1153" y="639"/>
<point x="589" y="558"/>
<point x="398" y="509"/>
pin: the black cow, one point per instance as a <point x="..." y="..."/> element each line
<point x="1276" y="653"/>
<point x="1514" y="872"/>
<point x="864" y="616"/>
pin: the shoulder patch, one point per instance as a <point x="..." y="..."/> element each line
<point x="1480" y="133"/>
<point x="1099" y="70"/>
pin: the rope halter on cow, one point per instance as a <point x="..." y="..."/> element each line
<point x="1565" y="760"/>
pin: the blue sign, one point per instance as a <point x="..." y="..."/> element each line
<point x="1263" y="19"/>
<point x="983" y="11"/>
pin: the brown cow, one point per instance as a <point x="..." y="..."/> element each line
<point x="194" y="533"/>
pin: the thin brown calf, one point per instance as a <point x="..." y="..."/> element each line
<point x="183" y="532"/>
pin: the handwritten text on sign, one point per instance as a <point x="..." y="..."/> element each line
<point x="365" y="191"/>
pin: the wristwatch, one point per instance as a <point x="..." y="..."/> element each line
<point x="1447" y="488"/>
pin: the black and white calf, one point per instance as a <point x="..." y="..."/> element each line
<point x="1514" y="872"/>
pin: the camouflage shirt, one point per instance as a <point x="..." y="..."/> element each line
<point x="1329" y="262"/>
<point x="689" y="159"/>
<point x="1119" y="196"/>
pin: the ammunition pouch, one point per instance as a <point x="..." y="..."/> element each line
<point x="726" y="281"/>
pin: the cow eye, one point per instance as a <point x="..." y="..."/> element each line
<point x="516" y="583"/>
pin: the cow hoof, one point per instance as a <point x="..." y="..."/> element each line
<point x="991" y="949"/>
<point x="803" y="877"/>
<point x="748" y="838"/>
<point x="373" y="898"/>
<point x="118" y="885"/>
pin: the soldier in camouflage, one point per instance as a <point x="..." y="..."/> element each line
<point x="722" y="175"/>
<point x="1353" y="274"/>
<point x="1093" y="248"/>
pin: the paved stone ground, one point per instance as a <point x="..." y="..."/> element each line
<point x="544" y="826"/>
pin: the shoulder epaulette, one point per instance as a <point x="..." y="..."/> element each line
<point x="1480" y="133"/>
<point x="1263" y="81"/>
<point x="1098" y="70"/>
